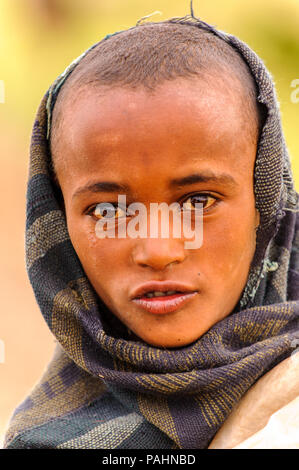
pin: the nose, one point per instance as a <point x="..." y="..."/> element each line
<point x="158" y="253"/>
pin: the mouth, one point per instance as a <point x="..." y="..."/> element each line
<point x="162" y="297"/>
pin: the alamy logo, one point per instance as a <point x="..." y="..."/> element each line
<point x="295" y="93"/>
<point x="186" y="223"/>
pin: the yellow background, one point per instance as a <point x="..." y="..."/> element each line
<point x="38" y="39"/>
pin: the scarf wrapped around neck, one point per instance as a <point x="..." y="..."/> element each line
<point x="105" y="390"/>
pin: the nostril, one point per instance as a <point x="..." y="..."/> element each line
<point x="158" y="254"/>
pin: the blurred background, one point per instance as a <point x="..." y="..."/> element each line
<point x="38" y="39"/>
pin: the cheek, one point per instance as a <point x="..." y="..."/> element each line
<point x="227" y="250"/>
<point x="102" y="260"/>
<point x="84" y="241"/>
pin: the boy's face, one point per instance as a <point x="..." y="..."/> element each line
<point x="146" y="143"/>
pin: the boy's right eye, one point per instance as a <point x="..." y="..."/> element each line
<point x="107" y="210"/>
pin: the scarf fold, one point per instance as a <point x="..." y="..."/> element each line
<point x="103" y="389"/>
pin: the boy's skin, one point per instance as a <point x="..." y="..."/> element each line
<point x="145" y="140"/>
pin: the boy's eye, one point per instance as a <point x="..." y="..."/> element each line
<point x="205" y="199"/>
<point x="107" y="210"/>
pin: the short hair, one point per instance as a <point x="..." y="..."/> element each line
<point x="148" y="55"/>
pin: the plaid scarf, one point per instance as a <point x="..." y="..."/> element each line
<point x="104" y="390"/>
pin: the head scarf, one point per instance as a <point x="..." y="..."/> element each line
<point x="105" y="390"/>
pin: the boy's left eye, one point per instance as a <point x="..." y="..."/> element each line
<point x="206" y="200"/>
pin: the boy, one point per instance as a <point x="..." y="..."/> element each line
<point x="158" y="342"/>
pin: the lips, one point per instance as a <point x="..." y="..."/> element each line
<point x="162" y="297"/>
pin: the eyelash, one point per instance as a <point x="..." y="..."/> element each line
<point x="90" y="210"/>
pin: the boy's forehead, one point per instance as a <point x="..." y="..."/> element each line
<point x="218" y="100"/>
<point x="195" y="113"/>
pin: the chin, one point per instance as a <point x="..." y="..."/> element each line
<point x="169" y="343"/>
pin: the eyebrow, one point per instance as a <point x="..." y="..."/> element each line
<point x="205" y="177"/>
<point x="101" y="187"/>
<point x="112" y="187"/>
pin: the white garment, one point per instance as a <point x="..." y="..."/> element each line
<point x="267" y="416"/>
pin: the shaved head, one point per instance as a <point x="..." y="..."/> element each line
<point x="148" y="55"/>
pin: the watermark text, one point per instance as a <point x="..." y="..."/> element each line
<point x="135" y="222"/>
<point x="295" y="93"/>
